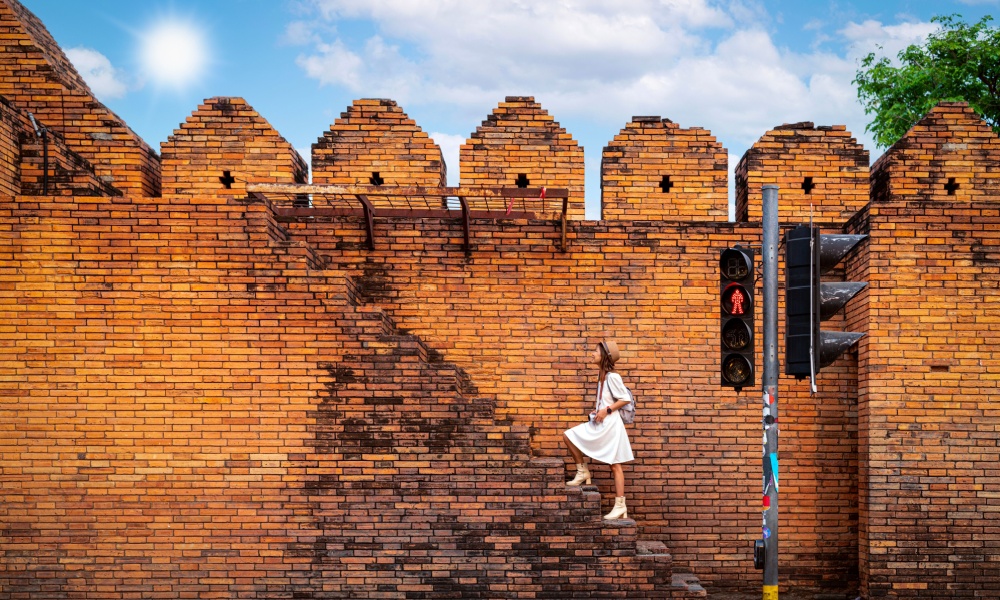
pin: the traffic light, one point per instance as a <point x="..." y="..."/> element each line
<point x="808" y="301"/>
<point x="736" y="279"/>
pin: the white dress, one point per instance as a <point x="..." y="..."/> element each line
<point x="606" y="442"/>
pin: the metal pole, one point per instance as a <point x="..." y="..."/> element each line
<point x="770" y="391"/>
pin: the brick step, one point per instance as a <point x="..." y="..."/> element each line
<point x="295" y="252"/>
<point x="686" y="585"/>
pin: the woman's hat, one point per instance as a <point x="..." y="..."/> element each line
<point x="611" y="350"/>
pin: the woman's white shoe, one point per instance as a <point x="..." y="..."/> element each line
<point x="619" y="511"/>
<point x="582" y="475"/>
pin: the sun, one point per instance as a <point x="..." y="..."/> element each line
<point x="174" y="53"/>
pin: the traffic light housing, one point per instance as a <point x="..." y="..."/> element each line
<point x="736" y="287"/>
<point x="809" y="301"/>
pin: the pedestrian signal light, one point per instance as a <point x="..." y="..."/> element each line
<point x="736" y="287"/>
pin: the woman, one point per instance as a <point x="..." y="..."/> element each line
<point x="604" y="438"/>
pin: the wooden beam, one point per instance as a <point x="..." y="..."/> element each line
<point x="382" y="190"/>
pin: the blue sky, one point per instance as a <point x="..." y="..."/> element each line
<point x="735" y="67"/>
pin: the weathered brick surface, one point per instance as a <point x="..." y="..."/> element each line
<point x="375" y="143"/>
<point x="25" y="162"/>
<point x="10" y="151"/>
<point x="214" y="416"/>
<point x="929" y="371"/>
<point x="522" y="318"/>
<point x="205" y="396"/>
<point x="38" y="78"/>
<point x="224" y="145"/>
<point x="950" y="155"/>
<point x="521" y="145"/>
<point x="822" y="173"/>
<point x="653" y="169"/>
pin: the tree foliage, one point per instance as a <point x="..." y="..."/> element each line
<point x="958" y="62"/>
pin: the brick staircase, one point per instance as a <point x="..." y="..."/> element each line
<point x="421" y="492"/>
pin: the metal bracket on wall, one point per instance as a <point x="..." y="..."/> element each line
<point x="366" y="206"/>
<point x="328" y="201"/>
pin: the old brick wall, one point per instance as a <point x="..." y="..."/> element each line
<point x="928" y="377"/>
<point x="24" y="161"/>
<point x="521" y="145"/>
<point x="38" y="78"/>
<point x="964" y="151"/>
<point x="198" y="406"/>
<point x="375" y="143"/>
<point x="928" y="410"/>
<point x="522" y="318"/>
<point x="222" y="146"/>
<point x="10" y="150"/>
<point x="822" y="172"/>
<point x="654" y="169"/>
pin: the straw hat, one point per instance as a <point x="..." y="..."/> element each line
<point x="611" y="350"/>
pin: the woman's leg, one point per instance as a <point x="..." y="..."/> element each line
<point x="577" y="455"/>
<point x="619" y="474"/>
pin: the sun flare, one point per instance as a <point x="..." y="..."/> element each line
<point x="174" y="53"/>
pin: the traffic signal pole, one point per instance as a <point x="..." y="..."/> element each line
<point x="769" y="384"/>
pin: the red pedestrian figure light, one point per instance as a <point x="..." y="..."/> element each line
<point x="737" y="299"/>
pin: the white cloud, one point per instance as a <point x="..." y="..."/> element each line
<point x="594" y="64"/>
<point x="511" y="43"/>
<point x="95" y="68"/>
<point x="333" y="64"/>
<point x="869" y="35"/>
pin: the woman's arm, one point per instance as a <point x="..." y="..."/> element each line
<point x="618" y="392"/>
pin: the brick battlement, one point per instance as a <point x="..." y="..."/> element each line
<point x="653" y="169"/>
<point x="216" y="393"/>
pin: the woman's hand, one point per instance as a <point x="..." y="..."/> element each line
<point x="599" y="417"/>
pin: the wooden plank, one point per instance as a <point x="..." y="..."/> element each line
<point x="381" y="190"/>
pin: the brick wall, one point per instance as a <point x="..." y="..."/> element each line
<point x="965" y="151"/>
<point x="928" y="388"/>
<point x="211" y="414"/>
<point x="224" y="145"/>
<point x="10" y="151"/>
<point x="928" y="376"/>
<point x="25" y="162"/>
<point x="522" y="318"/>
<point x="821" y="171"/>
<point x="37" y="77"/>
<point x="375" y="143"/>
<point x="521" y="145"/>
<point x="653" y="169"/>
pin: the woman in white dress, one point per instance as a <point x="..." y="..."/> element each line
<point x="604" y="438"/>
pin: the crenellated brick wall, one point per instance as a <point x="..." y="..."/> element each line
<point x="822" y="173"/>
<point x="375" y="143"/>
<point x="654" y="169"/>
<point x="224" y="145"/>
<point x="521" y="145"/>
<point x="37" y="77"/>
<point x="216" y="416"/>
<point x="209" y="395"/>
<point x="950" y="155"/>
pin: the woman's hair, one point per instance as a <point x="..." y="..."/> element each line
<point x="607" y="359"/>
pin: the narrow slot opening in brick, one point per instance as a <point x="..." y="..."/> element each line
<point x="227" y="180"/>
<point x="666" y="184"/>
<point x="951" y="186"/>
<point x="808" y="185"/>
<point x="522" y="181"/>
<point x="376" y="178"/>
